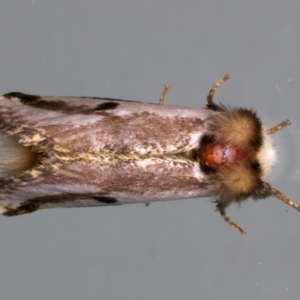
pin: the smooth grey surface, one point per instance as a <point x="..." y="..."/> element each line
<point x="129" y="50"/>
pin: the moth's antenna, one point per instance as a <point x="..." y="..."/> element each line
<point x="279" y="126"/>
<point x="214" y="88"/>
<point x="285" y="199"/>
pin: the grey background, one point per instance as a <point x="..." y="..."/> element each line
<point x="129" y="50"/>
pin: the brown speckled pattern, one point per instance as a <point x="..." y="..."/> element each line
<point x="101" y="152"/>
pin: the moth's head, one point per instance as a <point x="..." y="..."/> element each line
<point x="236" y="154"/>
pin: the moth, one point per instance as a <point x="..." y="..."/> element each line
<point x="84" y="152"/>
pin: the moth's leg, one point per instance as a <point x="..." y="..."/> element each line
<point x="279" y="126"/>
<point x="163" y="94"/>
<point x="214" y="88"/>
<point x="229" y="221"/>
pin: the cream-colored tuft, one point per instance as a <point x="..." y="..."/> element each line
<point x="237" y="182"/>
<point x="267" y="156"/>
<point x="14" y="157"/>
<point x="237" y="126"/>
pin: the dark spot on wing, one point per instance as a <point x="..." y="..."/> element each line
<point x="58" y="103"/>
<point x="23" y="97"/>
<point x="106" y="200"/>
<point x="111" y="99"/>
<point x="39" y="102"/>
<point x="34" y="204"/>
<point x="25" y="208"/>
<point x="53" y="105"/>
<point x="65" y="197"/>
<point x="107" y="106"/>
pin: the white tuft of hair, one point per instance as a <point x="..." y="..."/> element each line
<point x="267" y="155"/>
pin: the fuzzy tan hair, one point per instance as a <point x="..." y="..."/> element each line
<point x="235" y="183"/>
<point x="240" y="127"/>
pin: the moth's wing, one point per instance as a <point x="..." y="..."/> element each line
<point x="93" y="143"/>
<point x="93" y="124"/>
<point x="84" y="184"/>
